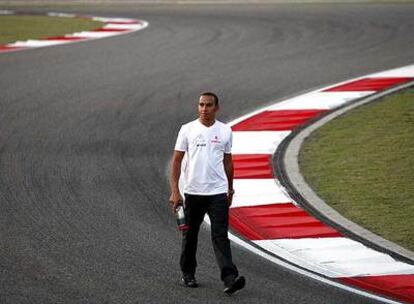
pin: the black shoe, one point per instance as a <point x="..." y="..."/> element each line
<point x="188" y="280"/>
<point x="234" y="285"/>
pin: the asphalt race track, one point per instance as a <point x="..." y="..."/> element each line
<point x="87" y="130"/>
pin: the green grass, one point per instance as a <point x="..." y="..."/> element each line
<point x="13" y="28"/>
<point x="362" y="165"/>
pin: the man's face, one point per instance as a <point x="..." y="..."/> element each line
<point x="207" y="108"/>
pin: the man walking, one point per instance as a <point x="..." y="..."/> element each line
<point x="208" y="189"/>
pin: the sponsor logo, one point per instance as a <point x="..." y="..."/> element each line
<point x="199" y="141"/>
<point x="216" y="140"/>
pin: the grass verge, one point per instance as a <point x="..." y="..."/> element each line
<point x="13" y="28"/>
<point x="362" y="165"/>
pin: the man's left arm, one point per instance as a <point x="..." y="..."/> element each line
<point x="228" y="167"/>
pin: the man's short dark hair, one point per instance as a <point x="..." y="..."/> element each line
<point x="216" y="99"/>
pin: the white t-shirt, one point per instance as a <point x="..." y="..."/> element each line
<point x="204" y="172"/>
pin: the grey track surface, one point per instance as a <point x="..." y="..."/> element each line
<point x="86" y="131"/>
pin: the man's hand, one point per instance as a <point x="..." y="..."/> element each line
<point x="228" y="168"/>
<point x="175" y="200"/>
<point x="175" y="197"/>
<point x="230" y="194"/>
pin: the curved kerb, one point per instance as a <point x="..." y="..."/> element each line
<point x="286" y="160"/>
<point x="283" y="227"/>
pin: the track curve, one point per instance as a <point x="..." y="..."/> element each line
<point x="86" y="131"/>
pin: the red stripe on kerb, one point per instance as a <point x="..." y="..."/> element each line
<point x="252" y="166"/>
<point x="399" y="287"/>
<point x="370" y="84"/>
<point x="5" y="48"/>
<point x="277" y="221"/>
<point x="276" y="120"/>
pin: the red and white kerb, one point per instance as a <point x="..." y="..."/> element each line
<point x="112" y="27"/>
<point x="264" y="213"/>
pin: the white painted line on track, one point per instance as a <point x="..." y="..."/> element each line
<point x="274" y="259"/>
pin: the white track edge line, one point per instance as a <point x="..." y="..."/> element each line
<point x="296" y="269"/>
<point x="307" y="273"/>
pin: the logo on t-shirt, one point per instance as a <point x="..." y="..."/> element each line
<point x="199" y="141"/>
<point x="216" y="140"/>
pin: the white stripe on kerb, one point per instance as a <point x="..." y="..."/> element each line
<point x="337" y="257"/>
<point x="407" y="71"/>
<point x="304" y="272"/>
<point x="254" y="192"/>
<point x="257" y="142"/>
<point x="123" y="26"/>
<point x="6" y="12"/>
<point x="37" y="43"/>
<point x="319" y="100"/>
<point x="64" y="15"/>
<point x="275" y="248"/>
<point x="91" y="35"/>
<point x="109" y="20"/>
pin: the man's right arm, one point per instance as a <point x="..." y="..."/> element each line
<point x="176" y="161"/>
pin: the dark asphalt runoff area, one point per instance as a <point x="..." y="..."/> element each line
<point x="87" y="130"/>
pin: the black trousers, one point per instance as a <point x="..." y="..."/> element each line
<point x="216" y="206"/>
